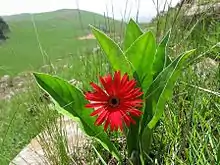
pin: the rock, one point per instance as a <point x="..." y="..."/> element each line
<point x="9" y="86"/>
<point x="34" y="152"/>
<point x="208" y="9"/>
<point x="20" y="84"/>
<point x="5" y="83"/>
<point x="5" y="78"/>
<point x="206" y="66"/>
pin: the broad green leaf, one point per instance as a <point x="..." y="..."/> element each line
<point x="160" y="56"/>
<point x="112" y="50"/>
<point x="133" y="31"/>
<point x="73" y="102"/>
<point x="141" y="55"/>
<point x="162" y="87"/>
<point x="159" y="92"/>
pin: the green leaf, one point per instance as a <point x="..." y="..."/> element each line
<point x="112" y="50"/>
<point x="161" y="57"/>
<point x="133" y="31"/>
<point x="141" y="55"/>
<point x="72" y="100"/>
<point x="159" y="92"/>
<point x="161" y="89"/>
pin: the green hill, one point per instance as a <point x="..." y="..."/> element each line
<point x="52" y="35"/>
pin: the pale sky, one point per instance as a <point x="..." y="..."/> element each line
<point x="147" y="8"/>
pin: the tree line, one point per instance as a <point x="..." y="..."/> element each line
<point x="4" y="29"/>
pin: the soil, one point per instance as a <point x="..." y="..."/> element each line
<point x="87" y="37"/>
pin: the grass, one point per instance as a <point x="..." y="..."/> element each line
<point x="41" y="38"/>
<point x="25" y="115"/>
<point x="190" y="126"/>
<point x="189" y="131"/>
<point x="17" y="120"/>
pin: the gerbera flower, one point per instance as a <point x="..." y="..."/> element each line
<point x="116" y="102"/>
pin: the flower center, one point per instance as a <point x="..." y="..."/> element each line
<point x="114" y="102"/>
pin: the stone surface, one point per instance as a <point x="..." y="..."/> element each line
<point x="34" y="153"/>
<point x="208" y="8"/>
<point x="206" y="66"/>
<point x="10" y="86"/>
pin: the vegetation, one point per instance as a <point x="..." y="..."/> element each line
<point x="47" y="37"/>
<point x="4" y="28"/>
<point x="189" y="131"/>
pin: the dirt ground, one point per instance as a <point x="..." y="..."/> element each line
<point x="87" y="37"/>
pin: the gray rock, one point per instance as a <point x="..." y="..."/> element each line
<point x="35" y="154"/>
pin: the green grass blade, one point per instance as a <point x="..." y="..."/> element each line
<point x="99" y="156"/>
<point x="72" y="100"/>
<point x="218" y="156"/>
<point x="133" y="31"/>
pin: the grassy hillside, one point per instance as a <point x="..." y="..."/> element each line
<point x="36" y="38"/>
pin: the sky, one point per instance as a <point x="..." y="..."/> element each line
<point x="147" y="8"/>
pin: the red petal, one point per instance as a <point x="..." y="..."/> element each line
<point x="106" y="124"/>
<point x="111" y="127"/>
<point x="94" y="105"/>
<point x="128" y="87"/>
<point x="124" y="79"/>
<point x="134" y="94"/>
<point x="98" y="89"/>
<point x="107" y="83"/>
<point x="135" y="112"/>
<point x="101" y="118"/>
<point x="135" y="91"/>
<point x="95" y="97"/>
<point x="115" y="120"/>
<point x="128" y="120"/>
<point x="133" y="103"/>
<point x="98" y="111"/>
<point x="116" y="82"/>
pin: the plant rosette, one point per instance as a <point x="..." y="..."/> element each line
<point x="133" y="99"/>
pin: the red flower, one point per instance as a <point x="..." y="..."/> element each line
<point x="116" y="103"/>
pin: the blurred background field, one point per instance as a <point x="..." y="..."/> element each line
<point x="38" y="39"/>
